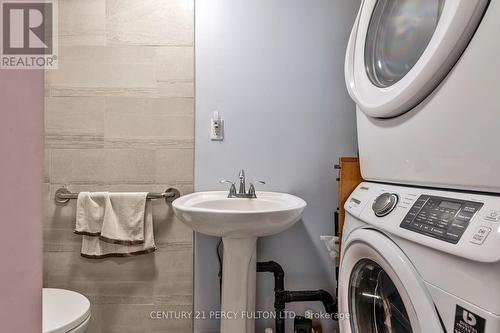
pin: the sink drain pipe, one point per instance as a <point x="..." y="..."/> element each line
<point x="279" y="289"/>
<point x="282" y="296"/>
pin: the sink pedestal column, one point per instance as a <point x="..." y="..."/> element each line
<point x="238" y="285"/>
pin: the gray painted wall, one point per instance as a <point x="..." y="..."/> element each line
<point x="275" y="72"/>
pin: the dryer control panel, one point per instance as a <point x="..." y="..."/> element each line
<point x="442" y="218"/>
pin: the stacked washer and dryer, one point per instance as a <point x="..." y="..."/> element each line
<point x="421" y="240"/>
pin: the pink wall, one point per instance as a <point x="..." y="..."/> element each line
<point x="21" y="126"/>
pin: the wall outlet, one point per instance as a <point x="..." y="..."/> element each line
<point x="216" y="127"/>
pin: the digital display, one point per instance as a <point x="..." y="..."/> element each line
<point x="450" y="205"/>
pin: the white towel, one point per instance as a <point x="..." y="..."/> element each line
<point x="90" y="208"/>
<point x="124" y="218"/>
<point x="95" y="248"/>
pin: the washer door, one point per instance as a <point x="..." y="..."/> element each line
<point x="381" y="290"/>
<point x="400" y="50"/>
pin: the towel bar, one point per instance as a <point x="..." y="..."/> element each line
<point x="63" y="195"/>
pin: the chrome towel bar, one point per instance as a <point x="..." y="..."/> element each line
<point x="63" y="195"/>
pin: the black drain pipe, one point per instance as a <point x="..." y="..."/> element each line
<point x="279" y="289"/>
<point x="282" y="296"/>
<point x="313" y="295"/>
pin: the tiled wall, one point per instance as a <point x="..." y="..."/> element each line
<point x="119" y="115"/>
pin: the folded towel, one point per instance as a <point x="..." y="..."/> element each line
<point x="124" y="218"/>
<point x="90" y="208"/>
<point x="95" y="248"/>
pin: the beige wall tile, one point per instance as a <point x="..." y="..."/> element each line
<point x="46" y="165"/>
<point x="74" y="115"/>
<point x="61" y="240"/>
<point x="148" y="118"/>
<point x="108" y="54"/>
<point x="166" y="106"/>
<point x="178" y="292"/>
<point x="82" y="22"/>
<point x="169" y="292"/>
<point x="46" y="83"/>
<point x="162" y="89"/>
<point x="175" y="63"/>
<point x="176" y="89"/>
<point x="102" y="165"/>
<point x="168" y="230"/>
<point x="149" y="143"/>
<point x="175" y="106"/>
<point x="106" y="292"/>
<point x="120" y="117"/>
<point x="78" y="165"/>
<point x="174" y="265"/>
<point x="137" y="318"/>
<point x="150" y="22"/>
<point x="73" y="141"/>
<point x="97" y="77"/>
<point x="96" y="69"/>
<point x="174" y="166"/>
<point x="75" y="91"/>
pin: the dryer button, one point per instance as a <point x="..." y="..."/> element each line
<point x="464" y="216"/>
<point x="493" y="215"/>
<point x="480" y="235"/>
<point x="438" y="231"/>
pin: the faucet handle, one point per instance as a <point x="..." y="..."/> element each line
<point x="232" y="189"/>
<point x="251" y="189"/>
<point x="241" y="174"/>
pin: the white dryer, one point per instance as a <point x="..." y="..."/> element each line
<point x="425" y="76"/>
<point x="421" y="261"/>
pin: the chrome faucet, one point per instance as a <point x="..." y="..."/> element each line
<point x="242" y="188"/>
<point x="242" y="182"/>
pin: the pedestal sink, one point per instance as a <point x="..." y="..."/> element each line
<point x="239" y="221"/>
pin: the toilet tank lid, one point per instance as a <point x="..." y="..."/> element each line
<point x="63" y="310"/>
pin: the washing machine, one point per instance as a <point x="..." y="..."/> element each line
<point x="420" y="260"/>
<point x="425" y="76"/>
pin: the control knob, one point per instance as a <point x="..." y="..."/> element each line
<point x="384" y="204"/>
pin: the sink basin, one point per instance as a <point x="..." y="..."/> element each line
<point x="239" y="222"/>
<point x="213" y="213"/>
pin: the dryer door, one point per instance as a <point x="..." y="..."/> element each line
<point x="381" y="290"/>
<point x="400" y="50"/>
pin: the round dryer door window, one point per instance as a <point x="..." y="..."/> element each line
<point x="374" y="301"/>
<point x="401" y="50"/>
<point x="398" y="33"/>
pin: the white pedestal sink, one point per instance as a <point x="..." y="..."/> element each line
<point x="239" y="222"/>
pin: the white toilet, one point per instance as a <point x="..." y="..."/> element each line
<point x="65" y="311"/>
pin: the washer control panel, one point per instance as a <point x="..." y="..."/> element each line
<point x="442" y="218"/>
